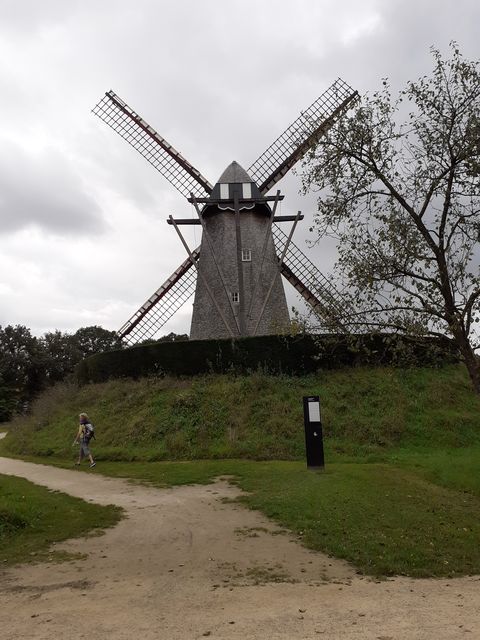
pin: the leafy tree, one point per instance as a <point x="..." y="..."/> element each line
<point x="21" y="367"/>
<point x="29" y="364"/>
<point x="90" y="340"/>
<point x="173" y="337"/>
<point x="169" y="337"/>
<point x="399" y="186"/>
<point x="61" y="355"/>
<point x="8" y="402"/>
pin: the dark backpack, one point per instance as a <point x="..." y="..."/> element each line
<point x="88" y="432"/>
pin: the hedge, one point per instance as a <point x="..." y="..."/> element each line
<point x="277" y="354"/>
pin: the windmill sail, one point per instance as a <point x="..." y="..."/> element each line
<point x="161" y="155"/>
<point x="161" y="305"/>
<point x="316" y="289"/>
<point x="241" y="254"/>
<point x="295" y="141"/>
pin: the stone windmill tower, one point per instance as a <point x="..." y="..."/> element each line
<point x="236" y="272"/>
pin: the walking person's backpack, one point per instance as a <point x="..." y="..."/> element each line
<point x="88" y="432"/>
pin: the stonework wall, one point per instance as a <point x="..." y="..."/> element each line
<point x="206" y="320"/>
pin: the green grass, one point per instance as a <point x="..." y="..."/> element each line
<point x="383" y="519"/>
<point x="401" y="490"/>
<point x="452" y="468"/>
<point x="366" y="411"/>
<point x="32" y="518"/>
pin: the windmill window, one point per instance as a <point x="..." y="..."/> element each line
<point x="224" y="192"/>
<point x="247" y="189"/>
<point x="235" y="296"/>
<point x="246" y="255"/>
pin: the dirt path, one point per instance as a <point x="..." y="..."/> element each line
<point x="184" y="564"/>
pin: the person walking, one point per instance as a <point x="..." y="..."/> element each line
<point x="85" y="433"/>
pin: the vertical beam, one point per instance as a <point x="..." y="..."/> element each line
<point x="219" y="270"/>
<point x="200" y="274"/>
<point x="241" y="288"/>
<point x="268" y="234"/>
<point x="277" y="275"/>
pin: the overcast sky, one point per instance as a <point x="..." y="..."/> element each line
<point x="83" y="236"/>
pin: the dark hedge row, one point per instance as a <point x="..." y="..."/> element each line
<point x="291" y="355"/>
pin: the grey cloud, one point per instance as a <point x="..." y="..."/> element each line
<point x="43" y="190"/>
<point x="220" y="81"/>
<point x="24" y="17"/>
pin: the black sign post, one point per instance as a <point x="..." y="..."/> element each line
<point x="313" y="432"/>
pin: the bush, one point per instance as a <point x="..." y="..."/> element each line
<point x="279" y="354"/>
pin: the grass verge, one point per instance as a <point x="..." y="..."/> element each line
<point x="33" y="518"/>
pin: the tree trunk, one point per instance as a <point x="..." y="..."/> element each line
<point x="472" y="361"/>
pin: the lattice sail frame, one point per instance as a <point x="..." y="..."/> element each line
<point x="316" y="288"/>
<point x="295" y="141"/>
<point x="303" y="275"/>
<point x="150" y="144"/>
<point x="162" y="304"/>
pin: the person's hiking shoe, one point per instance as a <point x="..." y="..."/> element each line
<point x="92" y="465"/>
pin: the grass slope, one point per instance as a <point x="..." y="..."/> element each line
<point x="401" y="490"/>
<point x="365" y="412"/>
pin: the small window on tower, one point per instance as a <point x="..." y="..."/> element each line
<point x="235" y="296"/>
<point x="246" y="255"/>
<point x="247" y="189"/>
<point x="224" y="192"/>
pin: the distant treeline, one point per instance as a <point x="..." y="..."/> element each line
<point x="29" y="364"/>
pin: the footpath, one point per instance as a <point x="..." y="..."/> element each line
<point x="189" y="563"/>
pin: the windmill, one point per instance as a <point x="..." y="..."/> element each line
<point x="235" y="274"/>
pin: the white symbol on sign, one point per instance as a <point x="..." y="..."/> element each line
<point x="314" y="433"/>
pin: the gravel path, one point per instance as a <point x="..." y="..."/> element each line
<point x="187" y="564"/>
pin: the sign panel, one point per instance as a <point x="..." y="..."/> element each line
<point x="313" y="432"/>
<point x="313" y="410"/>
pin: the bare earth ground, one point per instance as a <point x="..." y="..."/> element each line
<point x="186" y="564"/>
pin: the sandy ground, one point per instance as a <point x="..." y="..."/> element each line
<point x="186" y="564"/>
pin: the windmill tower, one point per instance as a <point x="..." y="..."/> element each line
<point x="239" y="289"/>
<point x="235" y="273"/>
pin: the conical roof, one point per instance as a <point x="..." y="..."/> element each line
<point x="234" y="173"/>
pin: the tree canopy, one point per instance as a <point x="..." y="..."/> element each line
<point x="399" y="187"/>
<point x="29" y="364"/>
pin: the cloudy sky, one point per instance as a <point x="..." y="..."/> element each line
<point x="83" y="236"/>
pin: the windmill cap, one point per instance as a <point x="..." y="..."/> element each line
<point x="234" y="173"/>
<point x="235" y="182"/>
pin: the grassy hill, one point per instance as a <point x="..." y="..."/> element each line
<point x="365" y="411"/>
<point x="401" y="489"/>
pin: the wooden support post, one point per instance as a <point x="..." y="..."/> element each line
<point x="268" y="234"/>
<point x="210" y="292"/>
<point x="241" y="288"/>
<point x="280" y="262"/>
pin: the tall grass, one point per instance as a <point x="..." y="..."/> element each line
<point x="365" y="411"/>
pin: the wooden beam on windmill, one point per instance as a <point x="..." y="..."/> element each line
<point x="151" y="145"/>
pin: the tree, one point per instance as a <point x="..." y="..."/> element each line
<point x="90" y="340"/>
<point x="21" y="367"/>
<point x="61" y="355"/>
<point x="173" y="337"/>
<point x="399" y="186"/>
